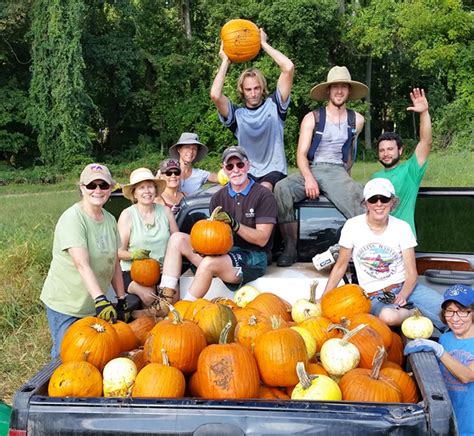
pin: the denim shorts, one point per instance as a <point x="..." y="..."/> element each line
<point x="427" y="300"/>
<point x="250" y="266"/>
<point x="58" y="324"/>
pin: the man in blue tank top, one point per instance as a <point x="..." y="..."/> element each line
<point x="324" y="157"/>
<point x="258" y="124"/>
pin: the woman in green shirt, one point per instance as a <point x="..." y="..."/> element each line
<point x="144" y="226"/>
<point x="85" y="261"/>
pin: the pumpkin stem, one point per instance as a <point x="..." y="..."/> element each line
<point x="304" y="377"/>
<point x="276" y="322"/>
<point x="378" y="361"/>
<point x="164" y="356"/>
<point x="341" y="327"/>
<point x="214" y="213"/>
<point x="98" y="327"/>
<point x="312" y="292"/>
<point x="252" y="320"/>
<point x="225" y="333"/>
<point x="353" y="332"/>
<point x="176" y="316"/>
<point x="417" y="312"/>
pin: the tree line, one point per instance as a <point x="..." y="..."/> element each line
<point x="118" y="79"/>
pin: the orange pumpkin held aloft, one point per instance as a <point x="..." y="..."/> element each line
<point x="241" y="40"/>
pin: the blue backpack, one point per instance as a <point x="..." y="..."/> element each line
<point x="349" y="149"/>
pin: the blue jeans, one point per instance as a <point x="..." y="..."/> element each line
<point x="427" y="300"/>
<point x="58" y="324"/>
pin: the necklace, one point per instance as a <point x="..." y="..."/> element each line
<point x="376" y="229"/>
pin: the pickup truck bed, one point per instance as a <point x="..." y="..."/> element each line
<point x="444" y="255"/>
<point x="34" y="413"/>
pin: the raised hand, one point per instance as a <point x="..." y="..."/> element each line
<point x="418" y="100"/>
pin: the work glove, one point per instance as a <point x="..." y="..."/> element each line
<point x="229" y="219"/>
<point x="424" y="345"/>
<point x="123" y="314"/>
<point x="140" y="254"/>
<point x="104" y="309"/>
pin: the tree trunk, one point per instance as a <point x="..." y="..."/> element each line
<point x="186" y="18"/>
<point x="368" y="127"/>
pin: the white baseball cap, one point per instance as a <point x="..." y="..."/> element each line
<point x="379" y="186"/>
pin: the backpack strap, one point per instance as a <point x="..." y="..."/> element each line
<point x="349" y="149"/>
<point x="319" y="123"/>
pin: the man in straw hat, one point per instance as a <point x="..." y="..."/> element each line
<point x="324" y="156"/>
<point x="407" y="176"/>
<point x="258" y="124"/>
<point x="250" y="210"/>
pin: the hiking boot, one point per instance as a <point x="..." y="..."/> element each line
<point x="160" y="308"/>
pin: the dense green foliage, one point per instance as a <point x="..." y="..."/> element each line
<point x="118" y="80"/>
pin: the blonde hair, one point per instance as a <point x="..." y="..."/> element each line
<point x="257" y="74"/>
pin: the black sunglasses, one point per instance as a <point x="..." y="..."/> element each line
<point x="230" y="166"/>
<point x="382" y="198"/>
<point x="170" y="173"/>
<point x="103" y="186"/>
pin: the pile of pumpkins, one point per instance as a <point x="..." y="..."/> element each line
<point x="255" y="346"/>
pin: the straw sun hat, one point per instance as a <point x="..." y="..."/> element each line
<point x="339" y="75"/>
<point x="140" y="175"/>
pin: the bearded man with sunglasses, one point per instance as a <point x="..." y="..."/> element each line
<point x="407" y="176"/>
<point x="382" y="248"/>
<point x="250" y="209"/>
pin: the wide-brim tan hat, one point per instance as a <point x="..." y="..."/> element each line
<point x="140" y="175"/>
<point x="189" y="138"/>
<point x="339" y="75"/>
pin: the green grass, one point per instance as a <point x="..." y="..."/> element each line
<point x="26" y="229"/>
<point x="27" y="218"/>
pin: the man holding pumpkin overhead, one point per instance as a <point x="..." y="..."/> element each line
<point x="250" y="210"/>
<point x="258" y="124"/>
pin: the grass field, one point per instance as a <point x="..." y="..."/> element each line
<point x="27" y="218"/>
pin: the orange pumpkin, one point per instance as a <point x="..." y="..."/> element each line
<point x="242" y="313"/>
<point x="127" y="338"/>
<point x="318" y="327"/>
<point x="91" y="339"/>
<point x="75" y="379"/>
<point x="210" y="237"/>
<point x="145" y="272"/>
<point x="138" y="356"/>
<point x="141" y="327"/>
<point x="226" y="302"/>
<point x="227" y="370"/>
<point x="183" y="341"/>
<point x="277" y="352"/>
<point x="344" y="302"/>
<point x="212" y="319"/>
<point x="406" y="383"/>
<point x="270" y="304"/>
<point x="250" y="329"/>
<point x="368" y="342"/>
<point x="159" y="380"/>
<point x="181" y="306"/>
<point x="241" y="40"/>
<point x="369" y="385"/>
<point x="195" y="307"/>
<point x="271" y="393"/>
<point x="316" y="368"/>
<point x="373" y="321"/>
<point x="395" y="352"/>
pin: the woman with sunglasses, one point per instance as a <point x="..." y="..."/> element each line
<point x="455" y="351"/>
<point x="171" y="197"/>
<point x="145" y="228"/>
<point x="85" y="261"/>
<point x="383" y="251"/>
<point x="187" y="151"/>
